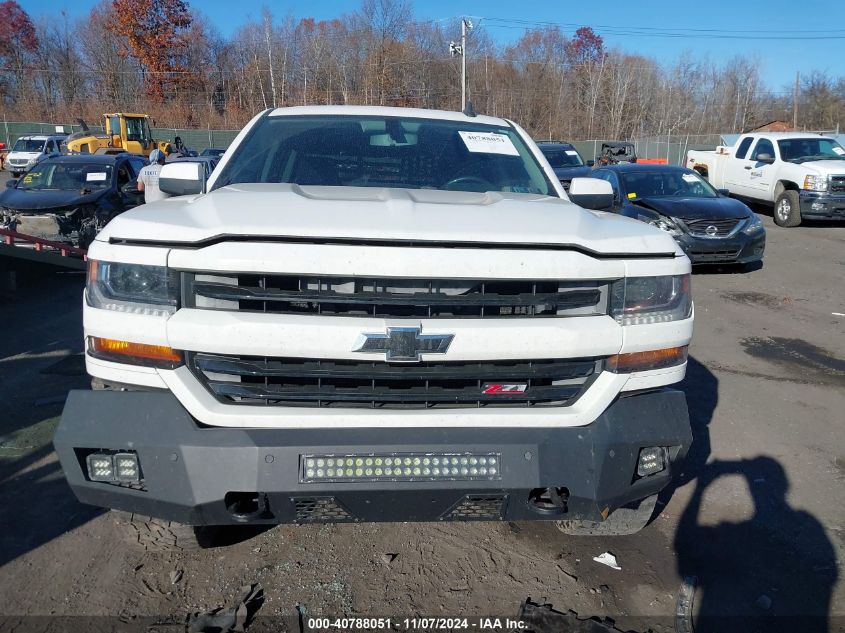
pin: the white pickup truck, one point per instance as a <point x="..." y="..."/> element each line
<point x="379" y="314"/>
<point x="800" y="173"/>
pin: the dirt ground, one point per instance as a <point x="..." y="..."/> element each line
<point x="757" y="516"/>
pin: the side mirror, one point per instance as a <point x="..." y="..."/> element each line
<point x="591" y="193"/>
<point x="11" y="183"/>
<point x="724" y="192"/>
<point x="590" y="163"/>
<point x="130" y="187"/>
<point x="765" y="158"/>
<point x="182" y="179"/>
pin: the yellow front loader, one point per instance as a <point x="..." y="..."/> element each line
<point x="129" y="132"/>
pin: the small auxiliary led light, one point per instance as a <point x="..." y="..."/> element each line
<point x="400" y="467"/>
<point x="100" y="467"/>
<point x="126" y="467"/>
<point x="652" y="460"/>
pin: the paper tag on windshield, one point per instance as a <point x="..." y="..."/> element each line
<point x="571" y="152"/>
<point x="839" y="151"/>
<point x="489" y="143"/>
<point x="96" y="176"/>
<point x="689" y="178"/>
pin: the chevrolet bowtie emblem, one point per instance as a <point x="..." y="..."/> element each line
<point x="403" y="344"/>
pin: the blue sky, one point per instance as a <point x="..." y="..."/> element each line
<point x="627" y="24"/>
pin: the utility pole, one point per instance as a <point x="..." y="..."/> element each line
<point x="456" y="49"/>
<point x="268" y="28"/>
<point x="795" y="101"/>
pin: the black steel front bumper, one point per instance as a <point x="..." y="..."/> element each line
<point x="194" y="474"/>
<point x="822" y="205"/>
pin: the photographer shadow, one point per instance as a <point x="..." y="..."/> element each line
<point x="773" y="572"/>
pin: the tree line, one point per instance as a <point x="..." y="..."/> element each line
<point x="165" y="58"/>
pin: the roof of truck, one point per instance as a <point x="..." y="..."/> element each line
<point x="786" y="135"/>
<point x="43" y="137"/>
<point x="625" y="167"/>
<point x="410" y="113"/>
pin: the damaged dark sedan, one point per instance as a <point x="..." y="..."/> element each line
<point x="710" y="227"/>
<point x="70" y="198"/>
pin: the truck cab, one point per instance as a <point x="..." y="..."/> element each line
<point x="131" y="132"/>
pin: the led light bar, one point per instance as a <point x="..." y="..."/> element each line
<point x="400" y="467"/>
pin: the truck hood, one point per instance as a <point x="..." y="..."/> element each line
<point x="825" y="167"/>
<point x="696" y="208"/>
<point x="380" y="214"/>
<point x="23" y="155"/>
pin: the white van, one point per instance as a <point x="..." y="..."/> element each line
<point x="30" y="150"/>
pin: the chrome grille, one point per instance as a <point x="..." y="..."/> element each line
<point x="394" y="298"/>
<point x="837" y="184"/>
<point x="300" y="382"/>
<point x="721" y="228"/>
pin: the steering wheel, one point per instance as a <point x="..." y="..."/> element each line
<point x="468" y="180"/>
<point x="679" y="192"/>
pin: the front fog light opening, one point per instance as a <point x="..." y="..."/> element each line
<point x="651" y="461"/>
<point x="426" y="466"/>
<point x="120" y="467"/>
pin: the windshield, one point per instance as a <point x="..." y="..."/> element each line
<point x="800" y="150"/>
<point x="28" y="145"/>
<point x="379" y="151"/>
<point x="562" y="157"/>
<point x="137" y="129"/>
<point x="66" y="177"/>
<point x="669" y="183"/>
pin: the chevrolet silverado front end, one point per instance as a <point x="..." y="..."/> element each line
<point x="379" y="314"/>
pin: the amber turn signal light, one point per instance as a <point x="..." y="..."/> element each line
<point x="116" y="351"/>
<point x="644" y="361"/>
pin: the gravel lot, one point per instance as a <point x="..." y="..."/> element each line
<point x="757" y="516"/>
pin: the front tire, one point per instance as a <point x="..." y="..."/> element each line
<point x="158" y="535"/>
<point x="623" y="521"/>
<point x="788" y="209"/>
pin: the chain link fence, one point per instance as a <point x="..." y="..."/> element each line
<point x="666" y="147"/>
<point x="193" y="138"/>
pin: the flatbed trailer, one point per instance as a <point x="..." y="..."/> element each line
<point x="33" y="249"/>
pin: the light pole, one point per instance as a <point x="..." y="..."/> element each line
<point x="461" y="49"/>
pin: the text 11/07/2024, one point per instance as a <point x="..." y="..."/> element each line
<point x="416" y="624"/>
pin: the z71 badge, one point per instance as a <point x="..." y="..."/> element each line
<point x="495" y="388"/>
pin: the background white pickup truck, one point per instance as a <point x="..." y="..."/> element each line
<point x="801" y="174"/>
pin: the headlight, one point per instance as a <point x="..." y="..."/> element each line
<point x="133" y="288"/>
<point x="815" y="183"/>
<point x="661" y="222"/>
<point x="755" y="225"/>
<point x="639" y="300"/>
